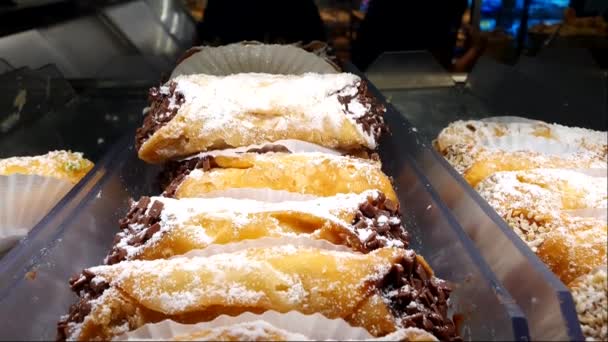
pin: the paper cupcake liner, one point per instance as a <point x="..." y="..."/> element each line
<point x="266" y="242"/>
<point x="514" y="143"/>
<point x="25" y="200"/>
<point x="597" y="213"/>
<point x="593" y="172"/>
<point x="262" y="195"/>
<point x="293" y="146"/>
<point x="507" y="119"/>
<point x="315" y="327"/>
<point x="258" y="58"/>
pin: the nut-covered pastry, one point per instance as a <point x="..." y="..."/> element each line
<point x="316" y="174"/>
<point x="477" y="163"/>
<point x="507" y="134"/>
<point x="160" y="227"/>
<point x="575" y="250"/>
<point x="197" y="113"/>
<point x="70" y="166"/>
<point x="536" y="202"/>
<point x="590" y="293"/>
<point x="381" y="291"/>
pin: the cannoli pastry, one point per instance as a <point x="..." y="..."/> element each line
<point x="480" y="133"/>
<point x="574" y="251"/>
<point x="590" y="293"/>
<point x="161" y="227"/>
<point x="477" y="163"/>
<point x="260" y="330"/>
<point x="316" y="174"/>
<point x="544" y="190"/>
<point x="536" y="202"/>
<point x="197" y="113"/>
<point x="63" y="165"/>
<point x="382" y="291"/>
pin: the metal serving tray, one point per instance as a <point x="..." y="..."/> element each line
<point x="78" y="233"/>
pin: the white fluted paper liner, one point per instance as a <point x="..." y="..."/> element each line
<point x="260" y="58"/>
<point x="599" y="172"/>
<point x="293" y="146"/>
<point x="262" y="195"/>
<point x="297" y="326"/>
<point x="266" y="242"/>
<point x="24" y="201"/>
<point x="507" y="119"/>
<point x="597" y="213"/>
<point x="515" y="143"/>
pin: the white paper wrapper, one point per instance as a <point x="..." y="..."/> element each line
<point x="267" y="242"/>
<point x="294" y="146"/>
<point x="593" y="172"/>
<point x="260" y="58"/>
<point x="509" y="119"/>
<point x="24" y="201"/>
<point x="598" y="213"/>
<point x="513" y="143"/>
<point x="314" y="327"/>
<point x="263" y="195"/>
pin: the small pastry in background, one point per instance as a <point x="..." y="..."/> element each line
<point x="70" y="166"/>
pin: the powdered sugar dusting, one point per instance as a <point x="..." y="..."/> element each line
<point x="221" y="102"/>
<point x="57" y="164"/>
<point x="534" y="202"/>
<point x="479" y="133"/>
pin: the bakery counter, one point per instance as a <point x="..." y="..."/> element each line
<point x="82" y="230"/>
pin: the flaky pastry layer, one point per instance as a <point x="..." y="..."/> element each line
<point x="160" y="227"/>
<point x="368" y="290"/>
<point x="477" y="133"/>
<point x="64" y="165"/>
<point x="306" y="173"/>
<point x="197" y="113"/>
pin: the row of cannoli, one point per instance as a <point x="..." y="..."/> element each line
<point x="262" y="214"/>
<point x="549" y="183"/>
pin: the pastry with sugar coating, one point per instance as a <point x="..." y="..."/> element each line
<point x="367" y="290"/>
<point x="196" y="113"/>
<point x="507" y="134"/>
<point x="65" y="165"/>
<point x="160" y="227"/>
<point x="317" y="174"/>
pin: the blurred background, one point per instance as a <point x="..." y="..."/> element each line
<point x="74" y="73"/>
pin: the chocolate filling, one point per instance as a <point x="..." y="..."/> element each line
<point x="164" y="104"/>
<point x="87" y="290"/>
<point x="174" y="172"/>
<point x="417" y="299"/>
<point x="136" y="228"/>
<point x="383" y="218"/>
<point x="372" y="121"/>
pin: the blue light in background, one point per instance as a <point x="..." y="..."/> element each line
<point x="495" y="16"/>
